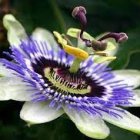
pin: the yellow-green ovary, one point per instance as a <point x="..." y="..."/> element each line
<point x="62" y="85"/>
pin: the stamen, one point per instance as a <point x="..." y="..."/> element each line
<point x="119" y="37"/>
<point x="76" y="52"/>
<point x="100" y="53"/>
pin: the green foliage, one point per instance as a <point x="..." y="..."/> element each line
<point x="109" y="15"/>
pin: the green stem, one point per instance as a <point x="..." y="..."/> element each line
<point x="75" y="66"/>
<point x="58" y="15"/>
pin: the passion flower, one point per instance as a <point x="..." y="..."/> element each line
<point x="56" y="78"/>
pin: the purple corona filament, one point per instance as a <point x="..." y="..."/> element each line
<point x="93" y="88"/>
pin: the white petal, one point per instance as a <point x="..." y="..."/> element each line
<point x="127" y="121"/>
<point x="91" y="126"/>
<point x="136" y="101"/>
<point x="13" y="88"/>
<point x="5" y="72"/>
<point x="40" y="112"/>
<point x="130" y="77"/>
<point x="41" y="34"/>
<point x="16" y="32"/>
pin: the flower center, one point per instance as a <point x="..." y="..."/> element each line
<point x="65" y="82"/>
<point x="58" y="78"/>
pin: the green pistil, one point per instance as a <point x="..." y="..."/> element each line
<point x="75" y="66"/>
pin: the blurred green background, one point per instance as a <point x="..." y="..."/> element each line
<point x="103" y="16"/>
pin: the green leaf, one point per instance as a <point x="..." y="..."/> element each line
<point x="134" y="61"/>
<point x="121" y="134"/>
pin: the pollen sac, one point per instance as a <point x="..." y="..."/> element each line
<point x="78" y="53"/>
<point x="74" y="51"/>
